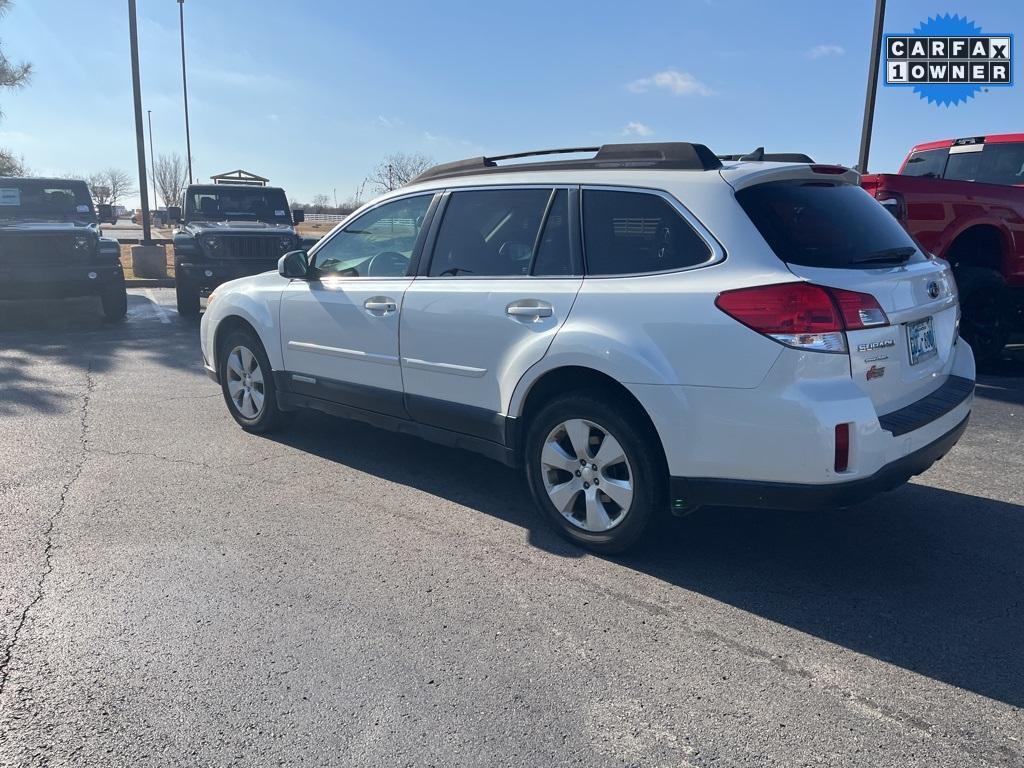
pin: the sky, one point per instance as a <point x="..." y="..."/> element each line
<point x="313" y="93"/>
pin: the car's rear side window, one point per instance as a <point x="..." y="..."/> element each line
<point x="929" y="162"/>
<point x="823" y="224"/>
<point x="497" y="233"/>
<point x="635" y="232"/>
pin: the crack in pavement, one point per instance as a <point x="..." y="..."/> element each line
<point x="8" y="654"/>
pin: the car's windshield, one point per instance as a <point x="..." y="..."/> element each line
<point x="38" y="198"/>
<point x="237" y="204"/>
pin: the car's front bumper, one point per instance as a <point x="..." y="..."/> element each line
<point x="689" y="492"/>
<point x="207" y="275"/>
<point x="48" y="282"/>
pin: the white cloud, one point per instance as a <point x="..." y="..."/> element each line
<point x="239" y="79"/>
<point x="821" y="51"/>
<point x="678" y="83"/>
<point x="388" y="122"/>
<point x="17" y="137"/>
<point x="636" y="128"/>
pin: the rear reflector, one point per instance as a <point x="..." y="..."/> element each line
<point x="803" y="315"/>
<point x="842" y="447"/>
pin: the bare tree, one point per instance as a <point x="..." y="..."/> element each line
<point x="11" y="165"/>
<point x="171" y="179"/>
<point x="396" y="170"/>
<point x="320" y="203"/>
<point x="110" y="186"/>
<point x="12" y="76"/>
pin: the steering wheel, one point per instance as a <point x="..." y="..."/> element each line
<point x="387" y="264"/>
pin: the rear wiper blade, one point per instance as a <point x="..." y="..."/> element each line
<point x="888" y="256"/>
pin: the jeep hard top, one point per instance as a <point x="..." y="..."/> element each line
<point x="51" y="247"/>
<point x="228" y="231"/>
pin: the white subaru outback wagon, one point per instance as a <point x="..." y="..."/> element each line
<point x="645" y="330"/>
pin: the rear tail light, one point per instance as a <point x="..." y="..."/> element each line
<point x="803" y="315"/>
<point x="842" y="462"/>
<point x="830" y="169"/>
<point x="894" y="203"/>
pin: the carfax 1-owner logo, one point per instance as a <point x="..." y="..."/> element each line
<point x="948" y="59"/>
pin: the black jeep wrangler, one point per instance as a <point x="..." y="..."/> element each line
<point x="50" y="244"/>
<point x="228" y="231"/>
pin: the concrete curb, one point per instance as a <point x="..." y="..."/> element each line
<point x="140" y="283"/>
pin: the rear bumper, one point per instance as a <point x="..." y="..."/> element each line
<point x="802" y="496"/>
<point x="220" y="271"/>
<point x="58" y="282"/>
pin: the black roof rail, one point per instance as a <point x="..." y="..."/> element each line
<point x="674" y="155"/>
<point x="770" y="157"/>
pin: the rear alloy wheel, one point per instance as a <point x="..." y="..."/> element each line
<point x="586" y="475"/>
<point x="247" y="382"/>
<point x="595" y="473"/>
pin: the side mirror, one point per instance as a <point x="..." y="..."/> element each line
<point x="294" y="265"/>
<point x="298" y="216"/>
<point x="105" y="213"/>
<point x="174" y="214"/>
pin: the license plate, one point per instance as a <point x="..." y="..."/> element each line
<point x="921" y="340"/>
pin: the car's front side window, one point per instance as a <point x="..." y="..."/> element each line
<point x="377" y="244"/>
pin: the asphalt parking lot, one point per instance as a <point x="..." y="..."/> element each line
<point x="175" y="592"/>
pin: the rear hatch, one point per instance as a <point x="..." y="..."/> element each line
<point x="830" y="232"/>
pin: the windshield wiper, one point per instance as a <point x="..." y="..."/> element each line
<point x="887" y="256"/>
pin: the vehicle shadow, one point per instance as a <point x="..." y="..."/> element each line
<point x="926" y="579"/>
<point x="73" y="333"/>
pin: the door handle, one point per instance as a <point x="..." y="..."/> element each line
<point x="529" y="308"/>
<point x="380" y="305"/>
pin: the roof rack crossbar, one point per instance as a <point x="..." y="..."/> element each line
<point x="668" y="155"/>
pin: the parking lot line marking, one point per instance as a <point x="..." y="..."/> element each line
<point x="159" y="310"/>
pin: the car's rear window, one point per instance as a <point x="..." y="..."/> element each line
<point x="993" y="164"/>
<point x="823" y="224"/>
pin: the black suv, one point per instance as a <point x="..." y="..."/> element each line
<point x="50" y="244"/>
<point x="228" y="231"/>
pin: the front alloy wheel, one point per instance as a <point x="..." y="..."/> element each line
<point x="245" y="382"/>
<point x="587" y="475"/>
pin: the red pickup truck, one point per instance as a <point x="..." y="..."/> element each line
<point x="963" y="199"/>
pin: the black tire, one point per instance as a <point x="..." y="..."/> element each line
<point x="987" y="310"/>
<point x="188" y="298"/>
<point x="646" y="467"/>
<point x="269" y="416"/>
<point x="115" y="302"/>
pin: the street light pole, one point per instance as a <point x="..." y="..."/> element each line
<point x="152" y="157"/>
<point x="184" y="88"/>
<point x="140" y="141"/>
<point x="869" y="99"/>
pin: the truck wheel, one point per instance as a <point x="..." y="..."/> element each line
<point x="188" y="299"/>
<point x="115" y="301"/>
<point x="986" y="312"/>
